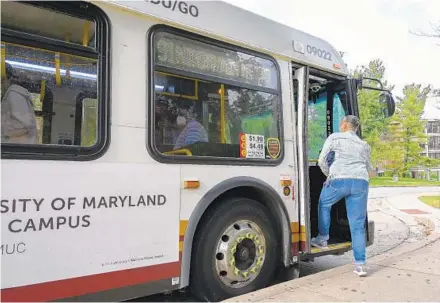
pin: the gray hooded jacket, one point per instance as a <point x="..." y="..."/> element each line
<point x="18" y="117"/>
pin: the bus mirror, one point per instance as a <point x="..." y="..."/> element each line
<point x="386" y="98"/>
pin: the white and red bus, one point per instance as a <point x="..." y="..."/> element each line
<point x="177" y="146"/>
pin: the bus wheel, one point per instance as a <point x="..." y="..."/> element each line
<point x="235" y="250"/>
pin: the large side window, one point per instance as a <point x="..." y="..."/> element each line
<point x="327" y="106"/>
<point x="211" y="101"/>
<point x="54" y="62"/>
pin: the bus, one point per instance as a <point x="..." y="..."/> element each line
<point x="176" y="149"/>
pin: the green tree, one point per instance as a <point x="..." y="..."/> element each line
<point x="317" y="132"/>
<point x="429" y="163"/>
<point x="373" y="127"/>
<point x="409" y="117"/>
<point x="390" y="149"/>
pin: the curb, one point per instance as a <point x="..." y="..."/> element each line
<point x="263" y="294"/>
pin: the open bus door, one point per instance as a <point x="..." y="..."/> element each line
<point x="321" y="101"/>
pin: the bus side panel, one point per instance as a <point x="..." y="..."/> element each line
<point x="88" y="221"/>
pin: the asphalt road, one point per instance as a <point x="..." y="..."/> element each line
<point x="390" y="232"/>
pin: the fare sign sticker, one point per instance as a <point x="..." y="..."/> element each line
<point x="252" y="146"/>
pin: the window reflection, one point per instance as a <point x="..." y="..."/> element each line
<point x="208" y="121"/>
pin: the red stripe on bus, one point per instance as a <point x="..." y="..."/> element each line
<point x="89" y="284"/>
<point x="295" y="248"/>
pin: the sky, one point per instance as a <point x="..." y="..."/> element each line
<point x="366" y="30"/>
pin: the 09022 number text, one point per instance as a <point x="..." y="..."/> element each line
<point x="319" y="52"/>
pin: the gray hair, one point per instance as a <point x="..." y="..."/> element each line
<point x="353" y="122"/>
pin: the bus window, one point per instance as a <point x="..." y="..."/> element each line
<point x="53" y="78"/>
<point x="231" y="109"/>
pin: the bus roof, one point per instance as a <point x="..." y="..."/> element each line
<point x="231" y="23"/>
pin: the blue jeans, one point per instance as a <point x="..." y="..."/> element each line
<point x="355" y="192"/>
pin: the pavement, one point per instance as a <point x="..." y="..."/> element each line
<point x="413" y="209"/>
<point x="409" y="272"/>
<point x="390" y="232"/>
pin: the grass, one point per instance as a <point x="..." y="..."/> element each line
<point x="433" y="201"/>
<point x="403" y="182"/>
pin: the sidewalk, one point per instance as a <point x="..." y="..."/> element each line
<point x="415" y="209"/>
<point x="410" y="272"/>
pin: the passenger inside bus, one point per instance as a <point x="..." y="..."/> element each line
<point x="61" y="104"/>
<point x="210" y="116"/>
<point x="18" y="120"/>
<point x="191" y="131"/>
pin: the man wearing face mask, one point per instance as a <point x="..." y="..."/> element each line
<point x="192" y="130"/>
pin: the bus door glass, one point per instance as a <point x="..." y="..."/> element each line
<point x="327" y="105"/>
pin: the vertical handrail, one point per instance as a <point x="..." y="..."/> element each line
<point x="222" y="114"/>
<point x="3" y="62"/>
<point x="86" y="34"/>
<point x="57" y="69"/>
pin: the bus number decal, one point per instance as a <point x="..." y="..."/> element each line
<point x="321" y="53"/>
<point x="182" y="7"/>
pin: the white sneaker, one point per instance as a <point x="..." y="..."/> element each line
<point x="319" y="242"/>
<point x="360" y="270"/>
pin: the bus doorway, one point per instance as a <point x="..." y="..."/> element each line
<point x="327" y="105"/>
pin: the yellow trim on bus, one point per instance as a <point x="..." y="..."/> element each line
<point x="294" y="227"/>
<point x="182" y="151"/>
<point x="182" y="229"/>
<point x="331" y="247"/>
<point x="295" y="238"/>
<point x="86" y="34"/>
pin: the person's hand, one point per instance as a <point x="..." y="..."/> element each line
<point x="372" y="174"/>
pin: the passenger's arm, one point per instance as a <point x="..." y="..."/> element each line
<point x="370" y="168"/>
<point x="323" y="155"/>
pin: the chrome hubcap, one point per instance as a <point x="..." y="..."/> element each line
<point x="240" y="254"/>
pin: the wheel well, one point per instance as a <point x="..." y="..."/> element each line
<point x="253" y="193"/>
<point x="242" y="186"/>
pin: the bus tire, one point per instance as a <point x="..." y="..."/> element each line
<point x="235" y="250"/>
